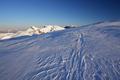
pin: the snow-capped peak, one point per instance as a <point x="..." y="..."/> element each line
<point x="32" y="28"/>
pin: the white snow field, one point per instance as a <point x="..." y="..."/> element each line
<point x="86" y="53"/>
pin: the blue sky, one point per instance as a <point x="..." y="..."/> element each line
<point x="59" y="12"/>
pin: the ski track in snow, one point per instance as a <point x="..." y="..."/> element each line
<point x="74" y="54"/>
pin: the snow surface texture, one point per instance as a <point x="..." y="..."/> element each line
<point x="31" y="31"/>
<point x="85" y="53"/>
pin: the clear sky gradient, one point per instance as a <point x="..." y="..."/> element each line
<point x="57" y="12"/>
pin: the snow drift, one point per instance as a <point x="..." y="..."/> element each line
<point x="86" y="53"/>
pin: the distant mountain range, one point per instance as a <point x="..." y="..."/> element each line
<point x="49" y="28"/>
<point x="30" y="31"/>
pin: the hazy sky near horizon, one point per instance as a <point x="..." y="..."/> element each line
<point x="57" y="12"/>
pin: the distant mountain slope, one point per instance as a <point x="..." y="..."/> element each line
<point x="86" y="53"/>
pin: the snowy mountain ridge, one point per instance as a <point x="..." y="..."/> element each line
<point x="30" y="31"/>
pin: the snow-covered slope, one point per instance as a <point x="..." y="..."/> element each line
<point x="30" y="31"/>
<point x="85" y="53"/>
<point x="6" y="35"/>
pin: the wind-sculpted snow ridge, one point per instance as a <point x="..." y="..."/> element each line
<point x="85" y="53"/>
